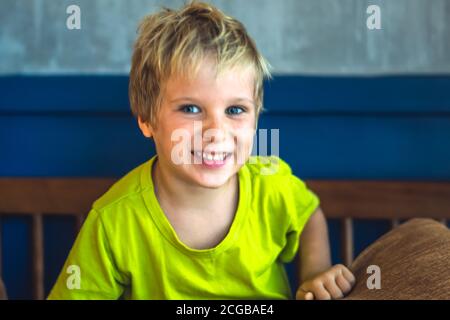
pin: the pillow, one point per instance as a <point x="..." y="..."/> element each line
<point x="414" y="261"/>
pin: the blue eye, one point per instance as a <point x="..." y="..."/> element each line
<point x="190" y="108"/>
<point x="235" y="110"/>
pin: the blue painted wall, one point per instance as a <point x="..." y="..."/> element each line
<point x="394" y="127"/>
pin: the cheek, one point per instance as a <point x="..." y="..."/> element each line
<point x="171" y="128"/>
<point x="247" y="141"/>
<point x="244" y="142"/>
<point x="245" y="130"/>
<point x="175" y="138"/>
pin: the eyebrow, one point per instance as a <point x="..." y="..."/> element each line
<point x="234" y="100"/>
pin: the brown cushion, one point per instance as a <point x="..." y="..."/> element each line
<point x="414" y="259"/>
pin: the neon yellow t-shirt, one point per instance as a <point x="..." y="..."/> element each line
<point x="128" y="249"/>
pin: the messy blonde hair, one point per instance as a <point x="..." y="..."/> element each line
<point x="175" y="42"/>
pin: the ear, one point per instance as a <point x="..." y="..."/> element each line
<point x="146" y="128"/>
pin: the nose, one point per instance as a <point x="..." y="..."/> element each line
<point x="215" y="127"/>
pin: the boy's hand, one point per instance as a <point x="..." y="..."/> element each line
<point x="334" y="283"/>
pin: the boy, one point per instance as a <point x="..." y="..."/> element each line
<point x="199" y="221"/>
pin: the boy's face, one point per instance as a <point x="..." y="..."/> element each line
<point x="205" y="127"/>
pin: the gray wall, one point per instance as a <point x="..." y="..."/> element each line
<point x="296" y="36"/>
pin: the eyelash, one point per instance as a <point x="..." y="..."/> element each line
<point x="183" y="108"/>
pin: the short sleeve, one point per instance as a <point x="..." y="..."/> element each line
<point x="302" y="204"/>
<point x="89" y="271"/>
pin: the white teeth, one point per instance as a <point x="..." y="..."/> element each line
<point x="208" y="156"/>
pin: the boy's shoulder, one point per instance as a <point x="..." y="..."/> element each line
<point x="275" y="186"/>
<point x="123" y="189"/>
<point x="272" y="177"/>
<point x="268" y="167"/>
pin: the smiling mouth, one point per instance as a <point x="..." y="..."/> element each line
<point x="212" y="156"/>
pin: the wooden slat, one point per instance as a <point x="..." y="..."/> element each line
<point x="1" y="247"/>
<point x="51" y="195"/>
<point x="347" y="241"/>
<point x="79" y="219"/>
<point x="37" y="239"/>
<point x="3" y="294"/>
<point x="339" y="199"/>
<point x="383" y="199"/>
<point x="395" y="223"/>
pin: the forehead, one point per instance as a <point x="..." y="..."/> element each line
<point x="207" y="82"/>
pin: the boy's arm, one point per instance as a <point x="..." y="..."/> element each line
<point x="314" y="247"/>
<point x="318" y="279"/>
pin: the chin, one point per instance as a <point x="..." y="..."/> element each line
<point x="212" y="180"/>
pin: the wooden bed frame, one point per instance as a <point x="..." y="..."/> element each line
<point x="344" y="200"/>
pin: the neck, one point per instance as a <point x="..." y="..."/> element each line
<point x="195" y="199"/>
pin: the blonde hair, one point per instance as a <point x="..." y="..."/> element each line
<point x="175" y="42"/>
